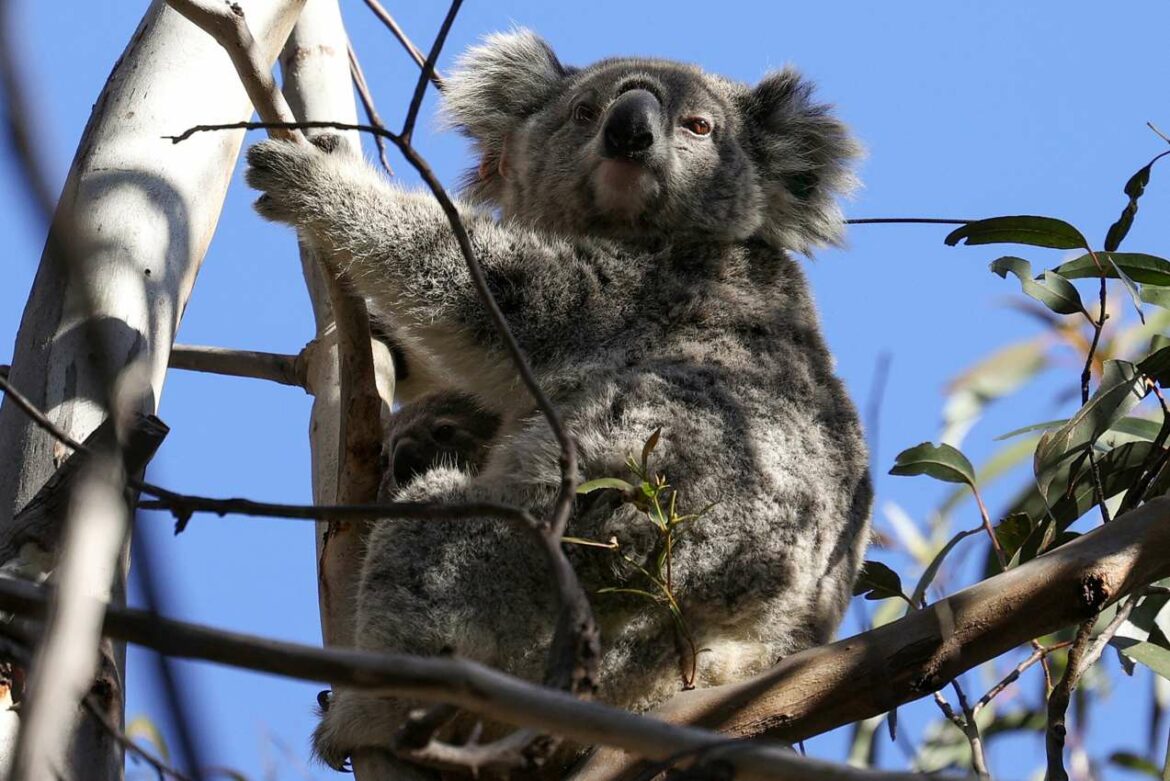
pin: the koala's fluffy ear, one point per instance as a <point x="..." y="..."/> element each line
<point x="494" y="87"/>
<point x="803" y="157"/>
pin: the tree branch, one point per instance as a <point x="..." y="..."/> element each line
<point x="816" y="690"/>
<point x="466" y="684"/>
<point x="274" y="367"/>
<point x="414" y="52"/>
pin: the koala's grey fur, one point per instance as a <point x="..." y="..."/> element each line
<point x="651" y="288"/>
<point x="443" y="429"/>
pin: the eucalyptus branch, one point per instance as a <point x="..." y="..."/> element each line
<point x="1037" y="655"/>
<point x="372" y="116"/>
<point x="466" y="684"/>
<point x="274" y="367"/>
<point x="1058" y="699"/>
<point x="966" y="724"/>
<point x="905" y="221"/>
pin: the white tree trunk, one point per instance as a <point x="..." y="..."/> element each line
<point x="142" y="213"/>
<point x="318" y="86"/>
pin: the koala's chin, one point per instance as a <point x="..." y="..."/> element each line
<point x="624" y="189"/>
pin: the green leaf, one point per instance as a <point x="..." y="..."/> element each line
<point x="877" y="581"/>
<point x="1134" y="189"/>
<point x="1135" y="763"/>
<point x="1131" y="287"/>
<point x="1012" y="532"/>
<point x="1052" y="290"/>
<point x="1146" y="269"/>
<point x="1153" y="656"/>
<point x="634" y="591"/>
<point x="1001" y="463"/>
<point x="1157" y="366"/>
<point x="942" y="462"/>
<point x="931" y="570"/>
<point x="1023" y="229"/>
<point x="605" y="482"/>
<point x="1142" y="428"/>
<point x="1047" y="425"/>
<point x="648" y="448"/>
<point x="1122" y="386"/>
<point x="1158" y="296"/>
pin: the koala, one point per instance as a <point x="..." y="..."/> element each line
<point x="442" y="429"/>
<point x="636" y="221"/>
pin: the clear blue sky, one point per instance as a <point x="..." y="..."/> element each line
<point x="967" y="110"/>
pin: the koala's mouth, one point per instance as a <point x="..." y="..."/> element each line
<point x="624" y="188"/>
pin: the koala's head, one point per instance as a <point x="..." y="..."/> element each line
<point x="640" y="148"/>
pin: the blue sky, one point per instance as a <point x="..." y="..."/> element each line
<point x="967" y="110"/>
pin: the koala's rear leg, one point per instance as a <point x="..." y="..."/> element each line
<point x="358" y="729"/>
<point x="475" y="587"/>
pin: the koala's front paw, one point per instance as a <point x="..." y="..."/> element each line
<point x="291" y="176"/>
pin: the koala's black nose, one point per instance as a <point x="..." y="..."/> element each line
<point x="629" y="126"/>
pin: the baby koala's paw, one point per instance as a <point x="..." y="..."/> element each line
<point x="295" y="178"/>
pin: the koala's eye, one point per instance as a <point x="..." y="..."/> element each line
<point x="697" y="125"/>
<point x="584" y="113"/>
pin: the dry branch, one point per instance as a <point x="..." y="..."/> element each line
<point x="816" y="690"/>
<point x="395" y="29"/>
<point x="442" y="679"/>
<point x="274" y="367"/>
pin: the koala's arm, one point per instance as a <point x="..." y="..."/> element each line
<point x="397" y="249"/>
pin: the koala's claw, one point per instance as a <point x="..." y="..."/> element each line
<point x="285" y="172"/>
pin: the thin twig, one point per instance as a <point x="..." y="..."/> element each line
<point x="1036" y="656"/>
<point x="905" y="221"/>
<point x="464" y="683"/>
<point x="1086" y="375"/>
<point x="414" y="52"/>
<point x="1058" y="700"/>
<point x="363" y="91"/>
<point x="428" y="68"/>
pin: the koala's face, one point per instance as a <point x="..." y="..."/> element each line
<point x="646" y="149"/>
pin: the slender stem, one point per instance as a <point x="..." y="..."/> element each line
<point x="372" y="116"/>
<point x="905" y="221"/>
<point x="400" y="34"/>
<point x="428" y="69"/>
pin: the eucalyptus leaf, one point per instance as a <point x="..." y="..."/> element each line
<point x="1157" y="366"/>
<point x="942" y="462"/>
<point x="1122" y="386"/>
<point x="928" y="575"/>
<point x="1051" y="289"/>
<point x="1012" y="532"/>
<point x="1137" y="764"/>
<point x="1153" y="656"/>
<point x="1134" y="187"/>
<point x="877" y="581"/>
<point x="1146" y="269"/>
<point x="648" y="448"/>
<point x="1021" y="229"/>
<point x="1131" y="287"/>
<point x="1158" y="296"/>
<point x="604" y="482"/>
